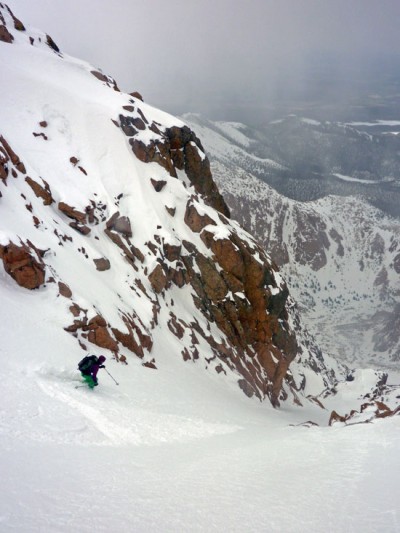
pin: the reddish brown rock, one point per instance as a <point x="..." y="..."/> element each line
<point x="178" y="159"/>
<point x="254" y="321"/>
<point x="123" y="225"/>
<point x="102" y="264"/>
<point x="138" y="123"/>
<point x="96" y="322"/>
<point x="184" y="151"/>
<point x="13" y="156"/>
<point x="158" y="184"/>
<point x="75" y="309"/>
<point x="229" y="255"/>
<point x="246" y="388"/>
<point x="132" y="125"/>
<point x="50" y="42"/>
<point x="154" y="152"/>
<point x="233" y="283"/>
<point x="71" y="212"/>
<point x="150" y="364"/>
<point x="5" y="35"/>
<point x="214" y="285"/>
<point x="153" y="127"/>
<point x="80" y="228"/>
<point x="128" y="340"/>
<point x="137" y="339"/>
<point x="185" y="354"/>
<point x="171" y="210"/>
<point x="3" y="165"/>
<point x="175" y="326"/>
<point x="194" y="220"/>
<point x="17" y="23"/>
<point x="41" y="192"/>
<point x="99" y="75"/>
<point x="64" y="290"/>
<point x="137" y="95"/>
<point x="158" y="279"/>
<point x="101" y="337"/>
<point x="99" y="334"/>
<point x="172" y="251"/>
<point x="120" y="224"/>
<point x="178" y="277"/>
<point x="108" y="80"/>
<point x="116" y="239"/>
<point x="23" y="264"/>
<point x="127" y="125"/>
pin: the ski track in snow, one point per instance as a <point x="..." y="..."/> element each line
<point x="140" y="464"/>
<point x="119" y="425"/>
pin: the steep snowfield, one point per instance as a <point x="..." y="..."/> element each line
<point x="169" y="449"/>
<point x="172" y="450"/>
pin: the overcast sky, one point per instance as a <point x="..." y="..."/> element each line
<point x="183" y="53"/>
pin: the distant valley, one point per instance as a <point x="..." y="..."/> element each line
<point x="307" y="190"/>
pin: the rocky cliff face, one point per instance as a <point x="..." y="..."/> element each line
<point x="116" y="219"/>
<point x="339" y="255"/>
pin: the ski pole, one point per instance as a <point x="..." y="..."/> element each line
<point x="110" y="375"/>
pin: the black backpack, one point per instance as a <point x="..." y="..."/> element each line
<point x="87" y="362"/>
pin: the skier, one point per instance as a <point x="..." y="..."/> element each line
<point x="89" y="366"/>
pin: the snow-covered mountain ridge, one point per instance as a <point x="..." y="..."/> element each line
<point x="306" y="160"/>
<point x="341" y="257"/>
<point x="109" y="209"/>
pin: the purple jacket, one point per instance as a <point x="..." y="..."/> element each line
<point x="94" y="367"/>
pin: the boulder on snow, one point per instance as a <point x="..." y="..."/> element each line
<point x="102" y="264"/>
<point x="158" y="184"/>
<point x="41" y="192"/>
<point x="99" y="334"/>
<point x="137" y="95"/>
<point x="71" y="212"/>
<point x="5" y="35"/>
<point x="108" y="80"/>
<point x="64" y="290"/>
<point x="158" y="279"/>
<point x="23" y="263"/>
<point x="13" y="156"/>
<point x="120" y="224"/>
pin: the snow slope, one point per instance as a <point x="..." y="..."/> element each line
<point x="170" y="450"/>
<point x="173" y="451"/>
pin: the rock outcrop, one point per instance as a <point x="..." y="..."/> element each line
<point x="175" y="149"/>
<point x="24" y="264"/>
